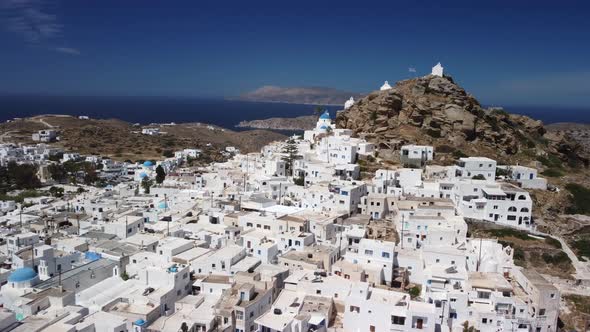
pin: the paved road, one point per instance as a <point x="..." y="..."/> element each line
<point x="582" y="268"/>
<point x="568" y="286"/>
<point x="45" y="123"/>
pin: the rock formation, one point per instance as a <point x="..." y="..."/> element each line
<point x="434" y="110"/>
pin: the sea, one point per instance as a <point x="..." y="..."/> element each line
<point x="224" y="113"/>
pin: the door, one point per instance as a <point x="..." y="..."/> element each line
<point x="419" y="323"/>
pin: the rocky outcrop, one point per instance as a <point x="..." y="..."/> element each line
<point x="434" y="110"/>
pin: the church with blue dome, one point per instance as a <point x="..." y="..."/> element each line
<point x="145" y="170"/>
<point x="323" y="126"/>
<point x="324" y="122"/>
<point x="23" y="277"/>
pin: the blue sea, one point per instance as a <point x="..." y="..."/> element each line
<point x="224" y="113"/>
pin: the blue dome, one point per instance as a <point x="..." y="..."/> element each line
<point x="148" y="163"/>
<point x="162" y="205"/>
<point x="325" y="116"/>
<point x="92" y="256"/>
<point x="323" y="127"/>
<point x="140" y="322"/>
<point x="143" y="175"/>
<point x="22" y="274"/>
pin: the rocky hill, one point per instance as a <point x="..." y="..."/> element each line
<point x="299" y="95"/>
<point x="436" y="111"/>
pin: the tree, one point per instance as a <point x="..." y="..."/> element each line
<point x="56" y="191"/>
<point x="290" y="150"/>
<point x="146" y="184"/>
<point x="184" y="327"/>
<point x="160" y="174"/>
<point x="300" y="181"/>
<point x="415" y="292"/>
<point x="23" y="176"/>
<point x="318" y="110"/>
<point x="90" y="175"/>
<point x="58" y="173"/>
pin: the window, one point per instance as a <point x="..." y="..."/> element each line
<point x="355" y="309"/>
<point x="239" y="315"/>
<point x="484" y="320"/>
<point x="398" y="320"/>
<point x="385" y="254"/>
<point x="483" y="295"/>
<point x="541" y="312"/>
<point x="369" y="252"/>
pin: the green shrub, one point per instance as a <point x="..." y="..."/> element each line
<point x="503" y="171"/>
<point x="459" y="154"/>
<point x="580" y="196"/>
<point x="552" y="173"/>
<point x="553" y="242"/>
<point x="445" y="149"/>
<point x="582" y="303"/>
<point x="506" y="232"/>
<point x="299" y="181"/>
<point x="550" y="161"/>
<point x="478" y="177"/>
<point x="433" y="133"/>
<point x="559" y="258"/>
<point x="500" y="112"/>
<point x="518" y="254"/>
<point x="415" y="292"/>
<point x="582" y="247"/>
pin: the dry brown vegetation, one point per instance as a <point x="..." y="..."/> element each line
<point x="121" y="140"/>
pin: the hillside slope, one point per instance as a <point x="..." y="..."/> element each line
<point x="122" y="140"/>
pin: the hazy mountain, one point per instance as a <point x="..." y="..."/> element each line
<point x="299" y="95"/>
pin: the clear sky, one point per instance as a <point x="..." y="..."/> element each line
<point x="504" y="52"/>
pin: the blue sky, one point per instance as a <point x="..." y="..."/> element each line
<point x="504" y="52"/>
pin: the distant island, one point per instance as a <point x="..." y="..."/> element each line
<point x="298" y="95"/>
<point x="305" y="122"/>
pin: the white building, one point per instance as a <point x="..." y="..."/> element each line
<point x="437" y="70"/>
<point x="526" y="177"/>
<point x="45" y="136"/>
<point x="349" y="103"/>
<point x="416" y="155"/>
<point x="480" y="168"/>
